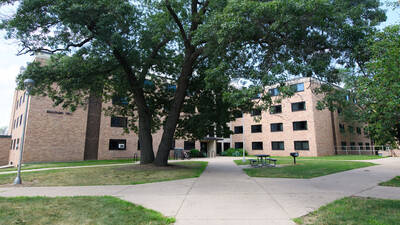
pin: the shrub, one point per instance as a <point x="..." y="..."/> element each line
<point x="233" y="152"/>
<point x="194" y="153"/>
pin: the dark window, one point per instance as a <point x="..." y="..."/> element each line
<point x="16" y="125"/>
<point x="275" y="127"/>
<point x="238" y="130"/>
<point x="189" y="145"/>
<point x="278" y="145"/>
<point x="117" y="100"/>
<point x="237" y="114"/>
<point x="343" y="143"/>
<point x="352" y="145"/>
<point x="339" y="110"/>
<point x="300" y="125"/>
<point x="298" y="106"/>
<point x="351" y="130"/>
<point x="256" y="128"/>
<point x="358" y="130"/>
<point x="341" y="128"/>
<point x="274" y="92"/>
<point x="275" y="109"/>
<point x="256" y="112"/>
<point x="301" y="145"/>
<point x="17" y="146"/>
<point x="119" y="121"/>
<point x="138" y="145"/>
<point x="360" y="144"/>
<point x="20" y="120"/>
<point x="227" y="146"/>
<point x="13" y="147"/>
<point x="297" y="87"/>
<point x="257" y="145"/>
<point x="239" y="145"/>
<point x="117" y="144"/>
<point x="367" y="146"/>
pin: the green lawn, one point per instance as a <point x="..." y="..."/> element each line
<point x="395" y="182"/>
<point x="116" y="175"/>
<point x="29" y="166"/>
<point x="355" y="211"/>
<point x="304" y="168"/>
<point x="76" y="211"/>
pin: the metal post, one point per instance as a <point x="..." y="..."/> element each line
<point x="244" y="154"/>
<point x="28" y="84"/>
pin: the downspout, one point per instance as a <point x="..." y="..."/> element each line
<point x="334" y="132"/>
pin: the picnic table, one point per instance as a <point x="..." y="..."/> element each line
<point x="262" y="160"/>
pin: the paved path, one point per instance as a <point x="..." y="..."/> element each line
<point x="225" y="195"/>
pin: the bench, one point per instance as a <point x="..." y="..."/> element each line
<point x="272" y="160"/>
<point x="253" y="163"/>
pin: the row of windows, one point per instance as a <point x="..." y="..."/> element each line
<point x="353" y="146"/>
<point x="295" y="87"/>
<point x="275" y="109"/>
<point x="20" y="101"/>
<point x="350" y="129"/>
<point x="275" y="127"/>
<point x="276" y="145"/>
<point x="15" y="144"/>
<point x="17" y="122"/>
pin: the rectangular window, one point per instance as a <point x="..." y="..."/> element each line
<point x="278" y="145"/>
<point x="343" y="144"/>
<point x="367" y="146"/>
<point x="256" y="128"/>
<point x="275" y="109"/>
<point x="13" y="147"/>
<point x="237" y="114"/>
<point x="238" y="130"/>
<point x="301" y="145"/>
<point x="300" y="125"/>
<point x="117" y="100"/>
<point x="17" y="145"/>
<point x="360" y="144"/>
<point x="276" y="127"/>
<point x="297" y="87"/>
<point x="341" y="128"/>
<point x="119" y="121"/>
<point x="359" y="130"/>
<point x="256" y="112"/>
<point x="274" y="92"/>
<point x="298" y="106"/>
<point x="138" y="145"/>
<point x="351" y="130"/>
<point x="16" y="125"/>
<point x="189" y="145"/>
<point x="352" y="145"/>
<point x="20" y="120"/>
<point x="257" y="145"/>
<point x="239" y="145"/>
<point x="117" y="144"/>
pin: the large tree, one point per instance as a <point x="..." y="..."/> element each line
<point x="138" y="49"/>
<point x="371" y="94"/>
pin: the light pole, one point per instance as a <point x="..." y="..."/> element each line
<point x="29" y="83"/>
<point x="244" y="151"/>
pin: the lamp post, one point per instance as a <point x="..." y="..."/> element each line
<point x="28" y="83"/>
<point x="244" y="151"/>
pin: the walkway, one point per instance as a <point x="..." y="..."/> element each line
<point x="225" y="195"/>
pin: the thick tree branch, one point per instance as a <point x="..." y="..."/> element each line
<point x="178" y="23"/>
<point x="152" y="56"/>
<point x="28" y="49"/>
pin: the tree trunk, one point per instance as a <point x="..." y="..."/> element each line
<point x="174" y="113"/>
<point x="145" y="140"/>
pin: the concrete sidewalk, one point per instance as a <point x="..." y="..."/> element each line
<point x="225" y="195"/>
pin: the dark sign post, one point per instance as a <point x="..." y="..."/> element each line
<point x="294" y="155"/>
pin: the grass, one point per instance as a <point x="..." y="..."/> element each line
<point x="114" y="175"/>
<point x="395" y="182"/>
<point x="76" y="211"/>
<point x="30" y="166"/>
<point x="355" y="211"/>
<point x="332" y="157"/>
<point x="304" y="168"/>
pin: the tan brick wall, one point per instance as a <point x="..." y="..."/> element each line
<point x="5" y="142"/>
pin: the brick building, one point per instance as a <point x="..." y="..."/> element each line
<point x="54" y="134"/>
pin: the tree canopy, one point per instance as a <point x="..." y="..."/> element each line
<point x="169" y="58"/>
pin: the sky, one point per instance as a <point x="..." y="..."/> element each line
<point x="10" y="65"/>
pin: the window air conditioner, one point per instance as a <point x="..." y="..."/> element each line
<point x="121" y="146"/>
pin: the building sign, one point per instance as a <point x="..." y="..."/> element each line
<point x="58" y="112"/>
